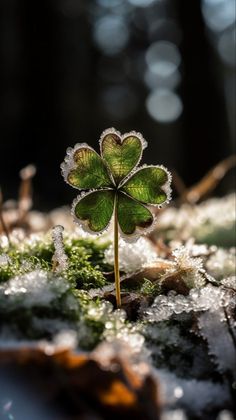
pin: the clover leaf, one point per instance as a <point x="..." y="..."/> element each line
<point x="113" y="185"/>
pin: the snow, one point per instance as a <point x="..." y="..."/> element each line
<point x="207" y="298"/>
<point x="132" y="256"/>
<point x="34" y="288"/>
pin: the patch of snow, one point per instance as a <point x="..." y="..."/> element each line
<point x="132" y="257"/>
<point x="34" y="288"/>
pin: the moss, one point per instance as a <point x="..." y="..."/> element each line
<point x="74" y="308"/>
<point x="85" y="261"/>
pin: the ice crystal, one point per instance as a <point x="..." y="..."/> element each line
<point x="59" y="258"/>
<point x="132" y="256"/>
<point x="229" y="282"/>
<point x="207" y="298"/>
<point x="192" y="267"/>
<point x="214" y="328"/>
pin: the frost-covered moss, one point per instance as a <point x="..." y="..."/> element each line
<point x="37" y="303"/>
<point x="183" y="295"/>
<point x="85" y="260"/>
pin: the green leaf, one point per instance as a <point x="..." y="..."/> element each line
<point x="132" y="215"/>
<point x="150" y="185"/>
<point x="83" y="168"/>
<point x="94" y="210"/>
<point x="122" y="153"/>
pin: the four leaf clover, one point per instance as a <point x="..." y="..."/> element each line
<point x="114" y="182"/>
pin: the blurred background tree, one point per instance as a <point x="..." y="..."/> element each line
<point x="71" y="68"/>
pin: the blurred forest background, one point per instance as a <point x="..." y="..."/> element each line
<point x="71" y="68"/>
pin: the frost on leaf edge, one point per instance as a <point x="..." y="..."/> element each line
<point x="166" y="187"/>
<point x="112" y="130"/>
<point x="84" y="223"/>
<point x="69" y="164"/>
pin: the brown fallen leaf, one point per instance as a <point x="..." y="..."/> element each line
<point x="75" y="386"/>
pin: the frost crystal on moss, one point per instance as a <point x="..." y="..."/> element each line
<point x="193" y="267"/>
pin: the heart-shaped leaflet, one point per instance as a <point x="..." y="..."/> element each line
<point x="121" y="153"/>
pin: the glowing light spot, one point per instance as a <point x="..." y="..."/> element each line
<point x="169" y="81"/>
<point x="111" y="34"/>
<point x="164" y="105"/>
<point x="163" y="58"/>
<point x="109" y="3"/>
<point x="142" y="3"/>
<point x="219" y="14"/>
<point x="178" y="392"/>
<point x="227" y="47"/>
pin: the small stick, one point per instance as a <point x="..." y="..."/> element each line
<point x="25" y="191"/>
<point x="2" y="221"/>
<point x="209" y="182"/>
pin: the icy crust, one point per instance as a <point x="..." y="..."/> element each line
<point x="165" y="187"/>
<point x="208" y="298"/>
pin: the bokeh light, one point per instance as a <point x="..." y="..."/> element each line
<point x="142" y="3"/>
<point x="170" y="81"/>
<point x="164" y="106"/>
<point x="163" y="58"/>
<point x="119" y="101"/>
<point x="109" y="3"/>
<point x="111" y="34"/>
<point x="219" y="14"/>
<point x="227" y="47"/>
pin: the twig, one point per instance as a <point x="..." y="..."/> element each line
<point x="2" y="221"/>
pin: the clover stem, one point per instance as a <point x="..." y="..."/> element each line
<point x="116" y="257"/>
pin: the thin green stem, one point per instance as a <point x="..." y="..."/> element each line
<point x="116" y="257"/>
